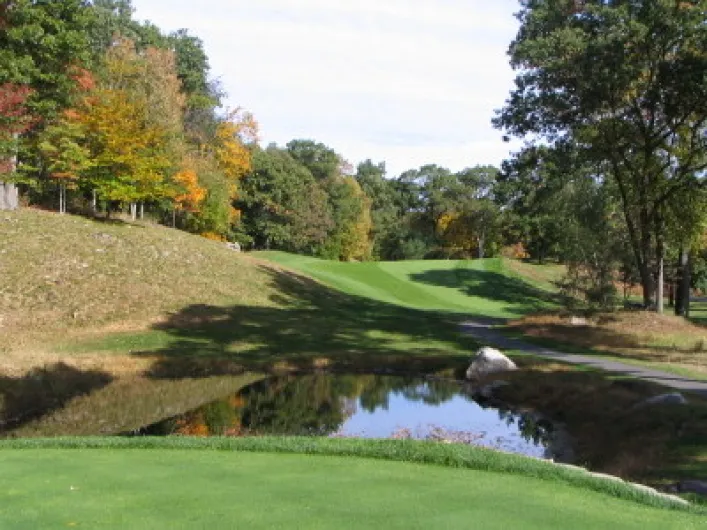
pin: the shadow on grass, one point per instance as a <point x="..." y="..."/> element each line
<point x="521" y="297"/>
<point x="309" y="325"/>
<point x="44" y="390"/>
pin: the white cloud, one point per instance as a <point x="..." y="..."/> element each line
<point x="405" y="81"/>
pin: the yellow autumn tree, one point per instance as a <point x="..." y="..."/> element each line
<point x="456" y="230"/>
<point x="231" y="146"/>
<point x="129" y="163"/>
<point x="356" y="243"/>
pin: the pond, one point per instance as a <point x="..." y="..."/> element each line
<point x="370" y="406"/>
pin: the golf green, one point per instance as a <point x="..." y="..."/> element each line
<point x="143" y="488"/>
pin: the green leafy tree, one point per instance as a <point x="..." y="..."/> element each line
<point x="322" y="161"/>
<point x="625" y="82"/>
<point x="385" y="216"/>
<point x="282" y="205"/>
<point x="42" y="45"/>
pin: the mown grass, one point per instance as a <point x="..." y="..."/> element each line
<point x="491" y="287"/>
<point x="517" y="470"/>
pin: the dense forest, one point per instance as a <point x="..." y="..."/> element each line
<point x="106" y="116"/>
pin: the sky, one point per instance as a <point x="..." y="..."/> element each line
<point x="407" y="82"/>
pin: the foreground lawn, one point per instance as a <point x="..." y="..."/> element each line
<point x="173" y="488"/>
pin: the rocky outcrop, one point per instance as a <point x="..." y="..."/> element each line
<point x="488" y="361"/>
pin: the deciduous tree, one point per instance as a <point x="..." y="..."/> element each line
<point x="626" y="82"/>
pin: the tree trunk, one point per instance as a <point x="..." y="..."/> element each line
<point x="133" y="211"/>
<point x="9" y="198"/>
<point x="482" y="241"/>
<point x="659" y="303"/>
<point x="94" y="202"/>
<point x="647" y="285"/>
<point x="142" y="211"/>
<point x="174" y="218"/>
<point x="671" y="293"/>
<point x="62" y="198"/>
<point x="682" y="300"/>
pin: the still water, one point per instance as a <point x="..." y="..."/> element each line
<point x="370" y="406"/>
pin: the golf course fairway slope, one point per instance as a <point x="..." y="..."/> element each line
<point x="486" y="287"/>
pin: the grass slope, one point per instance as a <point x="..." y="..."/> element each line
<point x="489" y="287"/>
<point x="62" y="273"/>
<point x="124" y="297"/>
<point x="91" y="486"/>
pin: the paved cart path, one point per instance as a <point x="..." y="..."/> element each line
<point x="484" y="331"/>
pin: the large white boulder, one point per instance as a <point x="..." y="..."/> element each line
<point x="488" y="361"/>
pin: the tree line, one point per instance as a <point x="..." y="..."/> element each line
<point x="101" y="113"/>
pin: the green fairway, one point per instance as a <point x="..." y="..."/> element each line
<point x="487" y="287"/>
<point x="113" y="488"/>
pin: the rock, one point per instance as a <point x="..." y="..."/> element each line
<point x="488" y="361"/>
<point x="692" y="486"/>
<point x="578" y="321"/>
<point x="674" y="398"/>
<point x="233" y="246"/>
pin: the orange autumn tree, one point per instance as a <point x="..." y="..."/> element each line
<point x="189" y="194"/>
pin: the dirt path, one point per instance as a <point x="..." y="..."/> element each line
<point x="483" y="330"/>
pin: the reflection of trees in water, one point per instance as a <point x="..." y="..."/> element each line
<point x="377" y="392"/>
<point x="297" y="405"/>
<point x="218" y="418"/>
<point x="530" y="426"/>
<point x="315" y="404"/>
<point x="320" y="403"/>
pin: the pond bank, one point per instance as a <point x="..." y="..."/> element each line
<point x="484" y="331"/>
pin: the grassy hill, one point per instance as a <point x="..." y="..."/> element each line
<point x="63" y="271"/>
<point x="75" y="289"/>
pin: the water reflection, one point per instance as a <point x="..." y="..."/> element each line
<point x="375" y="406"/>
